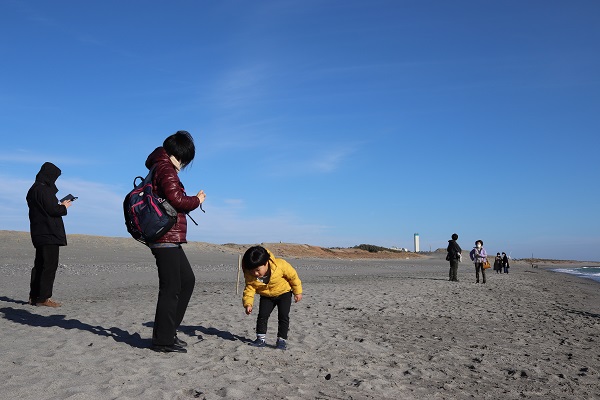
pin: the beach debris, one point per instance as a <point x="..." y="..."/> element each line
<point x="327" y="377"/>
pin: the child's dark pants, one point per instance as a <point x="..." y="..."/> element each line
<point x="266" y="306"/>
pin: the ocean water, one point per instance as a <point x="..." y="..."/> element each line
<point x="583" y="272"/>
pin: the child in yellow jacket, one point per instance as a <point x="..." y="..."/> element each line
<point x="275" y="280"/>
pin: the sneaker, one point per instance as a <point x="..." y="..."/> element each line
<point x="258" y="343"/>
<point x="281" y="344"/>
<point x="48" y="303"/>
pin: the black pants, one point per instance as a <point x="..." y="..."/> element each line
<point x="454" y="270"/>
<point x="266" y="306"/>
<point x="176" y="284"/>
<point x="43" y="273"/>
<point x="479" y="267"/>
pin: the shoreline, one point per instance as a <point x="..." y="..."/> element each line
<point x="572" y="271"/>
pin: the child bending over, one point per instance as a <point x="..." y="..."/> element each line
<point x="275" y="280"/>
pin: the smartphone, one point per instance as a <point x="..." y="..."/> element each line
<point x="68" y="197"/>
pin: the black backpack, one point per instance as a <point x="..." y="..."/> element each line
<point x="147" y="216"/>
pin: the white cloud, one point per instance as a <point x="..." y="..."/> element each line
<point x="329" y="161"/>
<point x="239" y="88"/>
<point x="234" y="202"/>
<point x="299" y="163"/>
<point x="27" y="157"/>
<point x="14" y="212"/>
<point x="99" y="211"/>
<point x="233" y="225"/>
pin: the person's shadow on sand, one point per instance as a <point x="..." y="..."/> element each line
<point x="9" y="300"/>
<point x="27" y="318"/>
<point x="193" y="332"/>
<point x="425" y="278"/>
<point x="582" y="313"/>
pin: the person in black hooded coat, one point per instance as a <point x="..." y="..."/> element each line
<point x="47" y="233"/>
<point x="454" y="256"/>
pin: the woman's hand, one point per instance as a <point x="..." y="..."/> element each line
<point x="248" y="310"/>
<point x="297" y="297"/>
<point x="201" y="196"/>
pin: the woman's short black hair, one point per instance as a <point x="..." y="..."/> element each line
<point x="181" y="146"/>
<point x="454" y="236"/>
<point x="479" y="241"/>
<point x="254" y="257"/>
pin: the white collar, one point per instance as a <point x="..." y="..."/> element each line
<point x="175" y="163"/>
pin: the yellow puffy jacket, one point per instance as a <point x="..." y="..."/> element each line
<point x="283" y="279"/>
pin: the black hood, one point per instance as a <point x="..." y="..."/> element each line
<point x="48" y="174"/>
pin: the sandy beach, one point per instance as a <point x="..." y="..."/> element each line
<point x="391" y="328"/>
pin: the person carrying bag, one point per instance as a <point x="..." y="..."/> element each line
<point x="479" y="257"/>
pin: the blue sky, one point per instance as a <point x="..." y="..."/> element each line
<point x="331" y="123"/>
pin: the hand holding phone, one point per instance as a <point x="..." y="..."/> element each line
<point x="69" y="197"/>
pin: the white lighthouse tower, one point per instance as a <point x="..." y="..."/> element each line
<point x="416" y="242"/>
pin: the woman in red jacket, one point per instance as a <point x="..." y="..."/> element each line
<point x="176" y="278"/>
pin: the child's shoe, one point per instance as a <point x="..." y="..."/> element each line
<point x="281" y="344"/>
<point x="259" y="342"/>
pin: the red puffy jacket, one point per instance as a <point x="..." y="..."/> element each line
<point x="166" y="183"/>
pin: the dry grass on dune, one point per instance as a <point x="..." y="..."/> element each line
<point x="279" y="249"/>
<point x="309" y="251"/>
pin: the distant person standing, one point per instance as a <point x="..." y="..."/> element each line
<point x="454" y="255"/>
<point x="47" y="233"/>
<point x="478" y="256"/>
<point x="505" y="262"/>
<point x="498" y="264"/>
